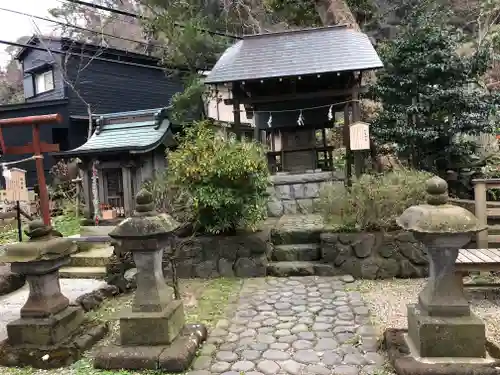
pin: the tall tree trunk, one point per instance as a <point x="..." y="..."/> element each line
<point x="335" y="12"/>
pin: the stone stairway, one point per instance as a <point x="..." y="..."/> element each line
<point x="93" y="257"/>
<point x="89" y="264"/>
<point x="296" y="247"/>
<point x="90" y="261"/>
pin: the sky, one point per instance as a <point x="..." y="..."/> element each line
<point x="14" y="26"/>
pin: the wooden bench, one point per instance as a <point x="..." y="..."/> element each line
<point x="482" y="260"/>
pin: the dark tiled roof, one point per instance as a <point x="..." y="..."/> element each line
<point x="292" y="53"/>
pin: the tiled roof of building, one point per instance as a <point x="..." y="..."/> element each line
<point x="294" y="53"/>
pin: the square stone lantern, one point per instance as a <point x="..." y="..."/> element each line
<point x="47" y="333"/>
<point x="152" y="332"/>
<point x="443" y="336"/>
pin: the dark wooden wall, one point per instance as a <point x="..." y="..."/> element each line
<point x="114" y="87"/>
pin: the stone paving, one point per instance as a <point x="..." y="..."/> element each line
<point x="300" y="222"/>
<point x="10" y="304"/>
<point x="297" y="326"/>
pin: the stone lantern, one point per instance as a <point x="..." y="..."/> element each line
<point x="48" y="324"/>
<point x="152" y="332"/>
<point x="441" y="323"/>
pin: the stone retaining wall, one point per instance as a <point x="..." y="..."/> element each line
<point x="375" y="255"/>
<point x="296" y="193"/>
<point x="242" y="255"/>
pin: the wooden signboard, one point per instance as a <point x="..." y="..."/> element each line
<point x="359" y="136"/>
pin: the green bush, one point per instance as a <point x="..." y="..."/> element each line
<point x="374" y="202"/>
<point x="226" y="179"/>
<point x="171" y="199"/>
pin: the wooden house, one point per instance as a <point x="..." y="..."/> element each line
<point x="108" y="79"/>
<point x="128" y="148"/>
<point x="293" y="84"/>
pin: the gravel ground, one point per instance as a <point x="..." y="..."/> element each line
<point x="388" y="299"/>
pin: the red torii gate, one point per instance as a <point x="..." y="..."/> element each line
<point x="36" y="147"/>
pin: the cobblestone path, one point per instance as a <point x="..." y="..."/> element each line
<point x="303" y="325"/>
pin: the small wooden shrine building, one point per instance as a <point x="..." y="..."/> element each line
<point x="129" y="148"/>
<point x="294" y="83"/>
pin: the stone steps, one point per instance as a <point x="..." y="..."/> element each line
<point x="85" y="243"/>
<point x="82" y="272"/>
<point x="296" y="247"/>
<point x="96" y="257"/>
<point x="295" y="236"/>
<point x="297" y="229"/>
<point x="300" y="268"/>
<point x="296" y="252"/>
<point x="90" y="264"/>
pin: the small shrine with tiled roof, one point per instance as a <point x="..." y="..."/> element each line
<point x="295" y="84"/>
<point x="127" y="148"/>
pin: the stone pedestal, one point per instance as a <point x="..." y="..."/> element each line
<point x="152" y="332"/>
<point x="45" y="332"/>
<point x="443" y="295"/>
<point x="50" y="332"/>
<point x="152" y="294"/>
<point x="154" y="328"/>
<point x="441" y="327"/>
<point x="434" y="336"/>
<point x="45" y="298"/>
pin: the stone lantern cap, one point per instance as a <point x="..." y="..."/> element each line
<point x="146" y="222"/>
<point x="45" y="243"/>
<point x="438" y="216"/>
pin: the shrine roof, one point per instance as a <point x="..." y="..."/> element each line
<point x="134" y="132"/>
<point x="296" y="52"/>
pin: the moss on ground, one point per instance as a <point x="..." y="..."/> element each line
<point x="205" y="301"/>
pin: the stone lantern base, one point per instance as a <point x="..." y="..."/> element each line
<point x="42" y="332"/>
<point x="48" y="343"/>
<point x="438" y="336"/>
<point x="154" y="328"/>
<point x="405" y="361"/>
<point x="173" y="358"/>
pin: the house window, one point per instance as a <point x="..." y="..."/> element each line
<point x="38" y="83"/>
<point x="44" y="82"/>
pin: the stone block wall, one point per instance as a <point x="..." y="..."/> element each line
<point x="242" y="255"/>
<point x="296" y="193"/>
<point x="375" y="255"/>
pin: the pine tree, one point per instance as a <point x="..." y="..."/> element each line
<point x="430" y="93"/>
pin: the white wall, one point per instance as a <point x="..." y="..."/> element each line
<point x="222" y="112"/>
